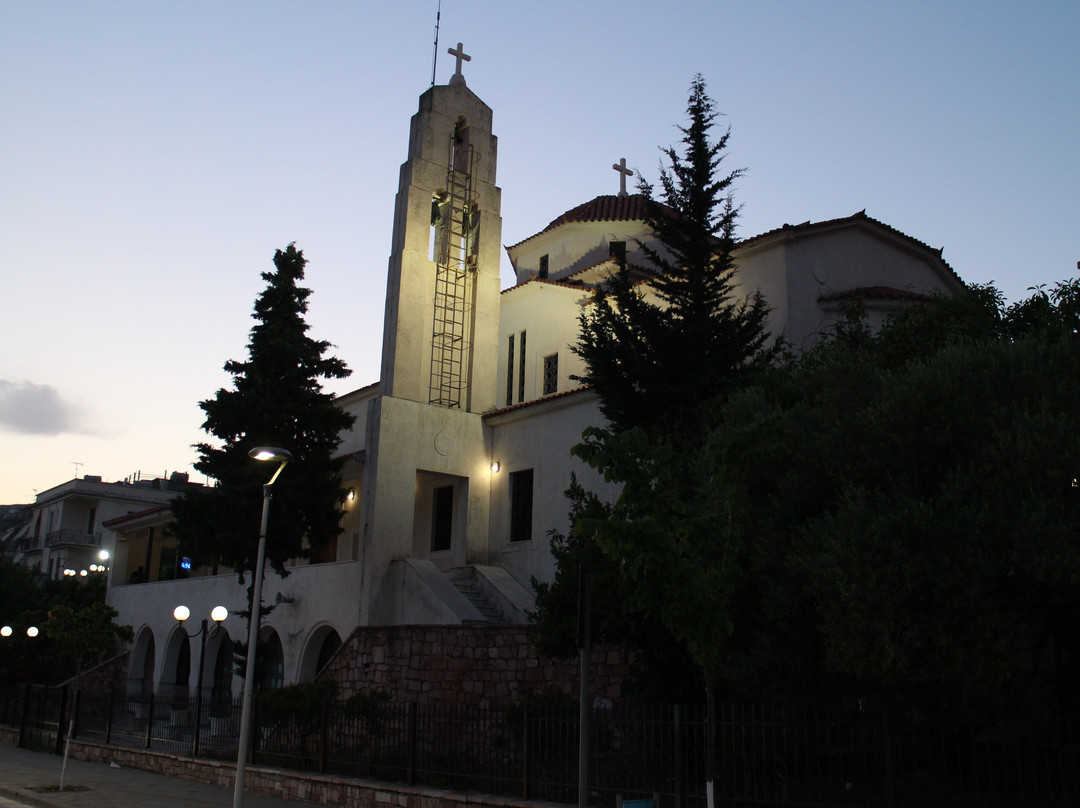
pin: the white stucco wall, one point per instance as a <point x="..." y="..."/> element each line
<point x="323" y="595"/>
<point x="539" y="437"/>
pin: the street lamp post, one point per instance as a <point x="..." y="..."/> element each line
<point x="283" y="456"/>
<point x="217" y="614"/>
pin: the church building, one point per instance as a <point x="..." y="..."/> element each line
<point x="460" y="453"/>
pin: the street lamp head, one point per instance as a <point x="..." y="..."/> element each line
<point x="32" y="631"/>
<point x="103" y="555"/>
<point x="5" y="631"/>
<point x="181" y="613"/>
<point x="270" y="453"/>
<point x="218" y="614"/>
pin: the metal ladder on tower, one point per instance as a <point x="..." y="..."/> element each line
<point x="455" y="270"/>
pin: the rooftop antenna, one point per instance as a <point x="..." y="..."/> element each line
<point x="77" y="466"/>
<point x="435" y="55"/>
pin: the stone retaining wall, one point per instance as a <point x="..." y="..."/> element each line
<point x="291" y="785"/>
<point x="468" y="666"/>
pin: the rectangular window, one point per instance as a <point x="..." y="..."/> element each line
<point x="510" y="371"/>
<point x="551" y="374"/>
<point x="90" y="522"/>
<point x="442" y="518"/>
<point x="617" y="251"/>
<point x="521" y="505"/>
<point x="543" y="273"/>
<point x="521" y="369"/>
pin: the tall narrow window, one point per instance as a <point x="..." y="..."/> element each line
<point x="510" y="371"/>
<point x="442" y="518"/>
<point x="551" y="374"/>
<point x="521" y="369"/>
<point x="521" y="504"/>
<point x="90" y="522"/>
<point x="543" y="273"/>
<point x="617" y="251"/>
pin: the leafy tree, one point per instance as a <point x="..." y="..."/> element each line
<point x="911" y="523"/>
<point x="86" y="634"/>
<point x="276" y="399"/>
<point x="27" y="600"/>
<point x="662" y="668"/>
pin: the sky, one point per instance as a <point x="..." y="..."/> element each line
<point x="154" y="155"/>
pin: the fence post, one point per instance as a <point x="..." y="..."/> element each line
<point x="198" y="717"/>
<point x="886" y="744"/>
<point x="323" y="733"/>
<point x="75" y="709"/>
<point x="410" y="714"/>
<point x="677" y="750"/>
<point x="109" y="716"/>
<point x="525" y="751"/>
<point x="255" y="729"/>
<point x="149" y="719"/>
<point x="22" y="717"/>
<point x="60" y="720"/>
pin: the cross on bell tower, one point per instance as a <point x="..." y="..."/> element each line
<point x="458" y="79"/>
<point x="624" y="172"/>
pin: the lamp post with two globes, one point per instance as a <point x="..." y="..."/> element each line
<point x="283" y="456"/>
<point x="218" y="615"/>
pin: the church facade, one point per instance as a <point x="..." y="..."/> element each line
<point x="460" y="453"/>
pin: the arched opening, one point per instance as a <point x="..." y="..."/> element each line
<point x="183" y="665"/>
<point x="321" y="646"/>
<point x="273" y="658"/>
<point x="222" y="677"/>
<point x="141" y="670"/>
<point x="176" y="666"/>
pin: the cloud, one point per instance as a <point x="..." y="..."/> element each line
<point x="37" y="409"/>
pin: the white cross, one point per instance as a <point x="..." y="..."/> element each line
<point x="459" y="54"/>
<point x="624" y="172"/>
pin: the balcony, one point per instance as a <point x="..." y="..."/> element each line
<point x="72" y="538"/>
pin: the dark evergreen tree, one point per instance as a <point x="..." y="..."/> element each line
<point x="662" y="357"/>
<point x="276" y="400"/>
<point x="655" y="363"/>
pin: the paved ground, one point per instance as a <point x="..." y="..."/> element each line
<point x="26" y="776"/>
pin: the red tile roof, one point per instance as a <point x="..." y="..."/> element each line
<point x="533" y="402"/>
<point x="613" y="208"/>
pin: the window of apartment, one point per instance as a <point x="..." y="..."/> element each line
<point x="551" y="374"/>
<point x="442" y="518"/>
<point x="521" y="504"/>
<point x="510" y="371"/>
<point x="521" y="370"/>
<point x="543" y="273"/>
<point x="90" y="522"/>
<point x="617" y="251"/>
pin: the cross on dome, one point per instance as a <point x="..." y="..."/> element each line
<point x="459" y="54"/>
<point x="624" y="172"/>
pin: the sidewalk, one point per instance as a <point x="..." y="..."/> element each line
<point x="25" y="774"/>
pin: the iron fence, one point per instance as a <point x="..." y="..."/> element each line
<point x="767" y="755"/>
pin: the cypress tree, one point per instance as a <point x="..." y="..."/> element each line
<point x="276" y="399"/>
<point x="655" y="360"/>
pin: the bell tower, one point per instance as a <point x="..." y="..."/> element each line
<point x="442" y="296"/>
<point x="427" y="465"/>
